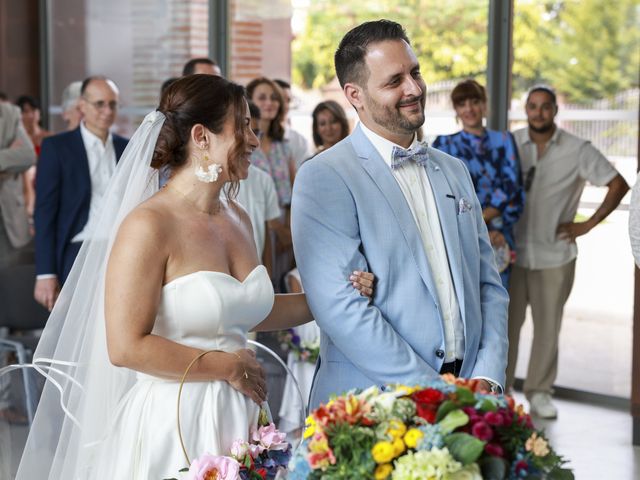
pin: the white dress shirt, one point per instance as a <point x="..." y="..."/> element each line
<point x="416" y="188"/>
<point x="102" y="164"/>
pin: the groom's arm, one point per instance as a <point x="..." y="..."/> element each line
<point x="327" y="246"/>
<point x="491" y="361"/>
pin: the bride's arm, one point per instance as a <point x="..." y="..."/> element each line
<point x="134" y="282"/>
<point x="291" y="309"/>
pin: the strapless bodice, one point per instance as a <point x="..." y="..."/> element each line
<point x="213" y="310"/>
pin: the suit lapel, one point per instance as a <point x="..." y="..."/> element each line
<point x="448" y="214"/>
<point x="381" y="175"/>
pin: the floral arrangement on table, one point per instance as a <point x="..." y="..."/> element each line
<point x="446" y="429"/>
<point x="304" y="351"/>
<point x="263" y="457"/>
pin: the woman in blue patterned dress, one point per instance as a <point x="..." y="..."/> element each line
<point x="492" y="160"/>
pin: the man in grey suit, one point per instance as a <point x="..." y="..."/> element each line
<point x="381" y="201"/>
<point x="16" y="156"/>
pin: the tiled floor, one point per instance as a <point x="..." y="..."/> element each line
<point x="596" y="440"/>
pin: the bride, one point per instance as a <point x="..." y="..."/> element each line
<point x="167" y="275"/>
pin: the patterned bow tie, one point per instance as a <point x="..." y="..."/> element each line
<point x="418" y="154"/>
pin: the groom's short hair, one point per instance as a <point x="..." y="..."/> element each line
<point x="349" y="58"/>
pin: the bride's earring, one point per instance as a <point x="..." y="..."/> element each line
<point x="211" y="173"/>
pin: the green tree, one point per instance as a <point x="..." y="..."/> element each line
<point x="587" y="49"/>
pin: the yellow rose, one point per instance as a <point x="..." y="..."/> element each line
<point x="396" y="429"/>
<point x="406" y="390"/>
<point x="413" y="437"/>
<point x="383" y="452"/>
<point x="398" y="447"/>
<point x="383" y="471"/>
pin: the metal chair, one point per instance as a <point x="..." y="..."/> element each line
<point x="22" y="315"/>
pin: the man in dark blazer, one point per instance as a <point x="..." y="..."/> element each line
<point x="73" y="173"/>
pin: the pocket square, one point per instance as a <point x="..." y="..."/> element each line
<point x="464" y="205"/>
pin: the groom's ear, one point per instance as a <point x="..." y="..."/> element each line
<point x="354" y="94"/>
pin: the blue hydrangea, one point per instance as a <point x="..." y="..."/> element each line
<point x="432" y="437"/>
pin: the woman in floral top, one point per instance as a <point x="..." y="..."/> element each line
<point x="274" y="155"/>
<point x="492" y="160"/>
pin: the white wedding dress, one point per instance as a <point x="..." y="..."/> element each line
<point x="205" y="310"/>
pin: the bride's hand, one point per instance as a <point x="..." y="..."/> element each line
<point x="247" y="375"/>
<point x="363" y="282"/>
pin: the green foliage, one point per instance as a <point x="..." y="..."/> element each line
<point x="586" y="49"/>
<point x="464" y="447"/>
<point x="351" y="446"/>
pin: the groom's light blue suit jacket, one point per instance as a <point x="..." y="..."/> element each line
<point x="349" y="213"/>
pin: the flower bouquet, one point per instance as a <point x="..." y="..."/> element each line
<point x="264" y="456"/>
<point x="304" y="351"/>
<point x="446" y="429"/>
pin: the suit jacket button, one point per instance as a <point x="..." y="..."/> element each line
<point x="440" y="353"/>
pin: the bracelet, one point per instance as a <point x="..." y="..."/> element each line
<point x="246" y="375"/>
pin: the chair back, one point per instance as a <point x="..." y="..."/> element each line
<point x="18" y="308"/>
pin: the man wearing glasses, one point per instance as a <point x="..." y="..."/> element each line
<point x="555" y="167"/>
<point x="73" y="172"/>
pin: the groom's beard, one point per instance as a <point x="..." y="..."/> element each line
<point x="393" y="119"/>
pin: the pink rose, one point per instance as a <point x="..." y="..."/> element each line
<point x="239" y="449"/>
<point x="270" y="438"/>
<point x="213" y="466"/>
<point x="482" y="431"/>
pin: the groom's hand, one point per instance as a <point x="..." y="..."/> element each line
<point x="247" y="375"/>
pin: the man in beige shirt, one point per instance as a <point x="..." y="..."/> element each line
<point x="555" y="167"/>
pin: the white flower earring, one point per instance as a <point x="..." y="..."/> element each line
<point x="211" y="173"/>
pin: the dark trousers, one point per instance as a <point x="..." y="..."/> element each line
<point x="452" y="367"/>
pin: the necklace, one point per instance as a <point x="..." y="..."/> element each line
<point x="193" y="204"/>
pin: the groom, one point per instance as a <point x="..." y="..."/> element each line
<point x="410" y="216"/>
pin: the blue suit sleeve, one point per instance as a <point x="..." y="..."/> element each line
<point x="48" y="182"/>
<point x="327" y="245"/>
<point x="491" y="360"/>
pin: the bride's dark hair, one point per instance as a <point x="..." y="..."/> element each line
<point x="204" y="99"/>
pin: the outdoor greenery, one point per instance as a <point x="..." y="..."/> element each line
<point x="587" y="49"/>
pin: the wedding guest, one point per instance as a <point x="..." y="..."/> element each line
<point x="329" y="126"/>
<point x="30" y="108"/>
<point x="299" y="145"/>
<point x="556" y="167"/>
<point x="492" y="160"/>
<point x="73" y="174"/>
<point x="16" y="156"/>
<point x="257" y="194"/>
<point x="201" y="65"/>
<point x="70" y="112"/>
<point x="274" y="156"/>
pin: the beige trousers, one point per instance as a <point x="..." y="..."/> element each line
<point x="547" y="291"/>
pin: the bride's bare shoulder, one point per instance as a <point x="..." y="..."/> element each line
<point x="149" y="221"/>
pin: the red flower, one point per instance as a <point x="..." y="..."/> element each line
<point x="494" y="449"/>
<point x="429" y="396"/>
<point x="495" y="419"/>
<point x="521" y="467"/>
<point x="262" y="472"/>
<point x="507" y="416"/>
<point x="427" y="412"/>
<point x="472" y="413"/>
<point x="482" y="431"/>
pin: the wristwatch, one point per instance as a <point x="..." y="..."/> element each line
<point x="494" y="387"/>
